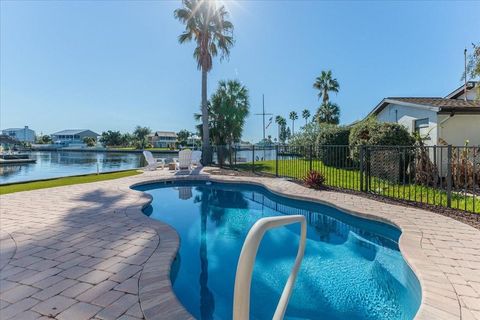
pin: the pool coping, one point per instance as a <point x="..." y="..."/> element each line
<point x="158" y="301"/>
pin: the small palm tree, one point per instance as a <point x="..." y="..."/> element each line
<point x="306" y="115"/>
<point x="207" y="25"/>
<point x="328" y="113"/>
<point x="325" y="83"/>
<point x="293" y="117"/>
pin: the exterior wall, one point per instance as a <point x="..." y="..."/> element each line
<point x="407" y="115"/>
<point x="73" y="139"/>
<point x="21" y="134"/>
<point x="162" y="141"/>
<point x="459" y="128"/>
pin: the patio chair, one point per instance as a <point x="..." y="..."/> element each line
<point x="153" y="163"/>
<point x="184" y="160"/>
<point x="196" y="157"/>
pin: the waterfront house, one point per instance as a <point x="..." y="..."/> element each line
<point x="73" y="137"/>
<point x="24" y="134"/>
<point x="163" y="139"/>
<point x="452" y="119"/>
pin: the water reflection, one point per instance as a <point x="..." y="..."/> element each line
<point x="52" y="164"/>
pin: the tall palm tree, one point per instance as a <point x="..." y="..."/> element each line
<point x="283" y="135"/>
<point x="306" y="115"/>
<point x="207" y="25"/>
<point x="328" y="113"/>
<point x="325" y="83"/>
<point x="293" y="116"/>
<point x="278" y="121"/>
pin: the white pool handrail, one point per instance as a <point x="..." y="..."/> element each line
<point x="243" y="277"/>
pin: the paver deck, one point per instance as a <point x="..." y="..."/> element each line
<point x="86" y="251"/>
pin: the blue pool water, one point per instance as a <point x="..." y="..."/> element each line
<point x="352" y="267"/>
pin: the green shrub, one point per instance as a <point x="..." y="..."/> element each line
<point x="307" y="136"/>
<point x="331" y="135"/>
<point x="372" y="132"/>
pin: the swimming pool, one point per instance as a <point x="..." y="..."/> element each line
<point x="352" y="267"/>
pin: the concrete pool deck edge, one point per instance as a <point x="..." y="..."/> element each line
<point x="439" y="297"/>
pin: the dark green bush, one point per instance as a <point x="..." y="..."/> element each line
<point x="374" y="133"/>
<point x="333" y="135"/>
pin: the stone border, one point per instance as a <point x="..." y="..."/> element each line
<point x="158" y="300"/>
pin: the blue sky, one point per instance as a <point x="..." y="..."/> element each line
<point x="117" y="64"/>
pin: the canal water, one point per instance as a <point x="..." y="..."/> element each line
<point x="53" y="164"/>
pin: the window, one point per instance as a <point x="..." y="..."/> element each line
<point x="421" y="127"/>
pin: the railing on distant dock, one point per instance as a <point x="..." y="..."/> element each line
<point x="441" y="176"/>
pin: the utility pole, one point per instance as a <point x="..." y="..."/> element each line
<point x="465" y="60"/>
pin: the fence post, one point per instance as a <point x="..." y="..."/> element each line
<point x="276" y="160"/>
<point x="449" y="176"/>
<point x="362" y="155"/>
<point x="253" y="158"/>
<point x="311" y="156"/>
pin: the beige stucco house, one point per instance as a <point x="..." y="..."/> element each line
<point x="439" y="120"/>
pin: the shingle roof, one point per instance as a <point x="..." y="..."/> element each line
<point x="165" y="134"/>
<point x="72" y="132"/>
<point x="439" y="102"/>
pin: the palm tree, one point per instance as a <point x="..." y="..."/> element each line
<point x="283" y="135"/>
<point x="227" y="110"/>
<point x="293" y="116"/>
<point x="306" y="115"/>
<point x="279" y="120"/>
<point x="325" y="84"/>
<point x="140" y="135"/>
<point x="208" y="26"/>
<point x="328" y="113"/>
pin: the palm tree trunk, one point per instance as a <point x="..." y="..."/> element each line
<point x="206" y="149"/>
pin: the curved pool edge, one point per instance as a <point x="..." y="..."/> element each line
<point x="158" y="301"/>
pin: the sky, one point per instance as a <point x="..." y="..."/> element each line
<point x="112" y="65"/>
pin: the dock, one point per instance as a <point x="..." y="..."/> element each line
<point x="4" y="162"/>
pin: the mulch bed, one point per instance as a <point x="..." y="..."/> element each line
<point x="472" y="219"/>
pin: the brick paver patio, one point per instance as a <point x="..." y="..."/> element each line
<point x="86" y="251"/>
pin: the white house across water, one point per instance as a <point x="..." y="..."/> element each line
<point x="24" y="134"/>
<point x="73" y="136"/>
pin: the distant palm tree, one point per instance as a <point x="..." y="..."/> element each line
<point x="278" y="121"/>
<point x="293" y="117"/>
<point x="328" y="113"/>
<point x="207" y="25"/>
<point x="306" y="115"/>
<point x="325" y="83"/>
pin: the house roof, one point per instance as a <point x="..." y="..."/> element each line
<point x="460" y="90"/>
<point x="442" y="105"/>
<point x="165" y="134"/>
<point x="16" y="129"/>
<point x="69" y="132"/>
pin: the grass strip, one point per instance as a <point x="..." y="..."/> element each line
<point x="65" y="181"/>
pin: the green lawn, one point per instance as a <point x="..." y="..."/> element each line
<point x="65" y="181"/>
<point x="350" y="179"/>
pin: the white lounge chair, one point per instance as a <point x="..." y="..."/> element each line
<point x="153" y="163"/>
<point x="184" y="160"/>
<point x="196" y="157"/>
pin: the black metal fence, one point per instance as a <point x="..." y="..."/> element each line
<point x="443" y="176"/>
